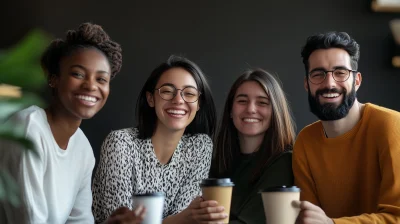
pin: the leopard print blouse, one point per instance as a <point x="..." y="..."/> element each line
<point x="128" y="166"/>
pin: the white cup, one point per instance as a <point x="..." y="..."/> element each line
<point x="278" y="204"/>
<point x="153" y="203"/>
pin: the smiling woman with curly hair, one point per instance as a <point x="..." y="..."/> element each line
<point x="57" y="181"/>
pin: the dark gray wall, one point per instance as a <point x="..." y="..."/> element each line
<point x="224" y="38"/>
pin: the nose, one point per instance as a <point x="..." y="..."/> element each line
<point x="178" y="97"/>
<point x="251" y="108"/>
<point x="329" y="81"/>
<point x="89" y="84"/>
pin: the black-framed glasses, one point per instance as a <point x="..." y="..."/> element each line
<point x="338" y="74"/>
<point x="189" y="94"/>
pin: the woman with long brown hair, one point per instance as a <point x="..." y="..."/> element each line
<point x="254" y="142"/>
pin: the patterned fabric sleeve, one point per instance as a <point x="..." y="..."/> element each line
<point x="201" y="162"/>
<point x="112" y="182"/>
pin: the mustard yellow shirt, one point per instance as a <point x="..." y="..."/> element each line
<point x="354" y="178"/>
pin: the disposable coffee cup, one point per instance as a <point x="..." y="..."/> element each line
<point x="219" y="190"/>
<point x="278" y="204"/>
<point x="154" y="204"/>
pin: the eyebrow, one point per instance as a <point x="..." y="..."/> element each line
<point x="170" y="84"/>
<point x="245" y="95"/>
<point x="82" y="67"/>
<point x="335" y="67"/>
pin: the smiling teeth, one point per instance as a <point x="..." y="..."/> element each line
<point x="176" y="112"/>
<point x="87" y="98"/>
<point x="330" y="95"/>
<point x="251" y="120"/>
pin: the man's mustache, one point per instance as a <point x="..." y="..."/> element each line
<point x="326" y="90"/>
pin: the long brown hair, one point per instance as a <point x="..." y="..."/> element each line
<point x="278" y="138"/>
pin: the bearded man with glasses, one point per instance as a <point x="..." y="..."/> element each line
<point x="347" y="164"/>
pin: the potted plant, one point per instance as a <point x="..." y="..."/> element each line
<point x="20" y="77"/>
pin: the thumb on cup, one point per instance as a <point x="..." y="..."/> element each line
<point x="139" y="210"/>
<point x="296" y="203"/>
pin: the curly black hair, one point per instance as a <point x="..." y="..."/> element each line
<point x="87" y="35"/>
<point x="329" y="40"/>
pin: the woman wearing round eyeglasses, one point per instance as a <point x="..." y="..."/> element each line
<point x="169" y="151"/>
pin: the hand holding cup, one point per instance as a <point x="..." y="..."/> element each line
<point x="125" y="215"/>
<point x="202" y="211"/>
<point x="154" y="205"/>
<point x="311" y="213"/>
<point x="217" y="192"/>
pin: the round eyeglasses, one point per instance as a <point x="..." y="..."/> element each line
<point x="339" y="75"/>
<point x="189" y="94"/>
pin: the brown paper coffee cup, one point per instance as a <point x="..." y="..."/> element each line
<point x="278" y="204"/>
<point x="219" y="190"/>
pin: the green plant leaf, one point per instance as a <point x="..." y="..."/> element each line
<point x="2" y="188"/>
<point x="20" y="65"/>
<point x="28" y="49"/>
<point x="9" y="189"/>
<point x="27" y="76"/>
<point x="17" y="129"/>
<point x="15" y="132"/>
<point x="24" y="142"/>
<point x="2" y="54"/>
<point x="10" y="105"/>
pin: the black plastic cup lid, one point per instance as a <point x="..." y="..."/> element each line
<point x="154" y="194"/>
<point x="217" y="182"/>
<point x="282" y="189"/>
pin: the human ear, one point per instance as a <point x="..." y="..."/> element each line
<point x="358" y="80"/>
<point x="150" y="99"/>
<point x="53" y="81"/>
<point x="306" y="87"/>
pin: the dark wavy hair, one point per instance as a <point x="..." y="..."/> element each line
<point x="278" y="138"/>
<point x="329" y="40"/>
<point x="86" y="36"/>
<point x="205" y="119"/>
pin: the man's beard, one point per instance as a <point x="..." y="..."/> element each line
<point x="329" y="111"/>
